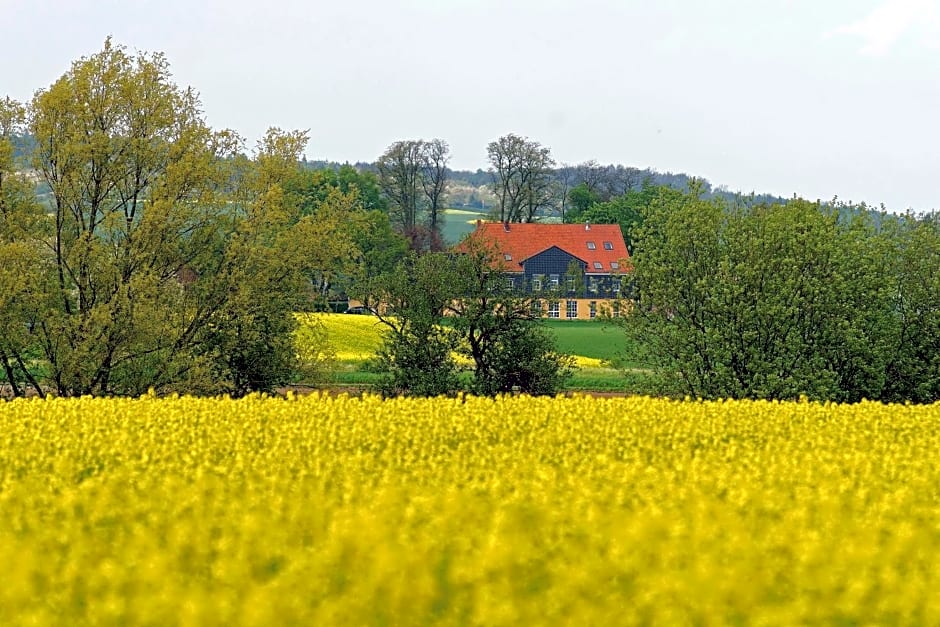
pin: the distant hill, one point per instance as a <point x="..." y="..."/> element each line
<point x="616" y="179"/>
<point x="470" y="189"/>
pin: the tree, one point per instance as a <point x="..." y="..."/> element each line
<point x="309" y="188"/>
<point x="413" y="175"/>
<point x="22" y="266"/>
<point x="522" y="177"/>
<point x="565" y="176"/>
<point x="770" y="301"/>
<point x="399" y="170"/>
<point x="501" y="331"/>
<point x="168" y="260"/>
<point x="581" y="199"/>
<point x="442" y="304"/>
<point x="913" y="371"/>
<point x="608" y="181"/>
<point x="124" y="151"/>
<point x="268" y="262"/>
<point x="416" y="356"/>
<point x="336" y="225"/>
<point x="366" y="243"/>
<point x="380" y="247"/>
<point x="434" y="157"/>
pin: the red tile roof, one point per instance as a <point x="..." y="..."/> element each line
<point x="524" y="240"/>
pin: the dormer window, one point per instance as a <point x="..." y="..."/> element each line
<point x="591" y="246"/>
<point x="598" y="265"/>
<point x="608" y="245"/>
<point x="614" y="265"/>
<point x="507" y="257"/>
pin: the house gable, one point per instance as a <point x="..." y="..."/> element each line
<point x="552" y="260"/>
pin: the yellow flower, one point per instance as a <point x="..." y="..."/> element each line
<point x="516" y="510"/>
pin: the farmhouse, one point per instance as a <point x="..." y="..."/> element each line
<point x="580" y="268"/>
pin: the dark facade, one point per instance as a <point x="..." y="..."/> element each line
<point x="557" y="272"/>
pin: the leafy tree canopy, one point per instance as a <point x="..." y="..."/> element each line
<point x="783" y="300"/>
<point x="170" y="260"/>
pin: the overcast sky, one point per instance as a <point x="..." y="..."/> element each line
<point x="810" y="97"/>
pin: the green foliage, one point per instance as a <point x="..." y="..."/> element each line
<point x="581" y="198"/>
<point x="781" y="301"/>
<point x="169" y="260"/>
<point x="416" y="355"/>
<point x="134" y="173"/>
<point x="344" y="212"/>
<point x="379" y="245"/>
<point x="440" y="305"/>
<point x="21" y="263"/>
<point x="507" y="343"/>
<point x="521" y="356"/>
<point x="913" y="373"/>
<point x="418" y="362"/>
<point x="310" y="188"/>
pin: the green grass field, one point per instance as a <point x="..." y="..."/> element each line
<point x="598" y="339"/>
<point x="589" y="338"/>
<point x="460" y="222"/>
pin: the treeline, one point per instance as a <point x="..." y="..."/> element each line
<point x="608" y="180"/>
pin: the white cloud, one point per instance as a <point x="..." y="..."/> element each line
<point x="889" y="22"/>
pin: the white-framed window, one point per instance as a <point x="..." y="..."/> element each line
<point x="615" y="285"/>
<point x="616" y="309"/>
<point x="593" y="308"/>
<point x="536" y="308"/>
<point x="571" y="309"/>
<point x="536" y="282"/>
<point x="553" y="281"/>
<point x="569" y="283"/>
<point x="554" y="309"/>
<point x="592" y="285"/>
<point x="510" y="284"/>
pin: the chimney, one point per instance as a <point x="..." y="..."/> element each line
<point x="506" y="226"/>
<point x="587" y="226"/>
<point x="479" y="224"/>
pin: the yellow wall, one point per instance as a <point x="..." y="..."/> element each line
<point x="583" y="308"/>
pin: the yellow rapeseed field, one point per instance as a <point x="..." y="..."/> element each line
<point x="515" y="511"/>
<point x="353" y="338"/>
